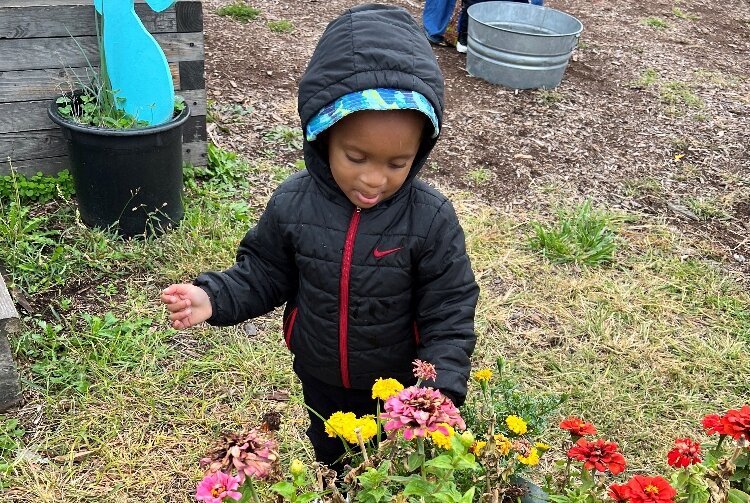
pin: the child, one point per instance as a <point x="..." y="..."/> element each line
<point x="369" y="260"/>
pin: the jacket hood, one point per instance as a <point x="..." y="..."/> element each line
<point x="367" y="47"/>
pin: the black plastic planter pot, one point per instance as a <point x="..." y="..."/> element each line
<point x="131" y="178"/>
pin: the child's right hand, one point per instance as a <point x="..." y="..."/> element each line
<point x="188" y="305"/>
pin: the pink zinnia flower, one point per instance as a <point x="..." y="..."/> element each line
<point x="424" y="370"/>
<point x="216" y="486"/>
<point x="255" y="458"/>
<point x="419" y="411"/>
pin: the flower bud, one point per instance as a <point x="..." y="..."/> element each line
<point x="297" y="467"/>
<point x="467" y="438"/>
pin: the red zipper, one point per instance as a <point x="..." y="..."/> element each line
<point x="289" y="327"/>
<point x="346" y="266"/>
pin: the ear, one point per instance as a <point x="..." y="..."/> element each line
<point x="159" y="5"/>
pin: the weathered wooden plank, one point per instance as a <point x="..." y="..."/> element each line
<point x="189" y="16"/>
<point x="29" y="85"/>
<point x="194" y="129"/>
<point x="32" y="144"/>
<point x="57" y="3"/>
<point x="192" y="75"/>
<point x="32" y="115"/>
<point x="78" y="20"/>
<point x="10" y="391"/>
<point x="194" y="153"/>
<point x="61" y="52"/>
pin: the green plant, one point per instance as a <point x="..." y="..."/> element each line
<point x="647" y="78"/>
<point x="655" y="22"/>
<point x="88" y="350"/>
<point x="10" y="440"/>
<point x="679" y="13"/>
<point x="583" y="236"/>
<point x="679" y="93"/>
<point x="549" y="97"/>
<point x="240" y="11"/>
<point x="479" y="176"/>
<point x="38" y="188"/>
<point x="706" y="209"/>
<point x="281" y="26"/>
<point x="290" y="137"/>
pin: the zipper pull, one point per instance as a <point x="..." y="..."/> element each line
<point x="359" y="210"/>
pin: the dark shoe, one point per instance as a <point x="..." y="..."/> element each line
<point x="434" y="40"/>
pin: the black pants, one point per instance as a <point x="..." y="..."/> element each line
<point x="463" y="19"/>
<point x="325" y="400"/>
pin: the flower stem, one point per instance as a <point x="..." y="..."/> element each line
<point x="251" y="487"/>
<point x="377" y="421"/>
<point x="420" y="450"/>
<point x="358" y="432"/>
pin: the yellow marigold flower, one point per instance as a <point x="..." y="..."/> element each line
<point x="483" y="375"/>
<point x="368" y="428"/>
<point x="502" y="444"/>
<point x="542" y="446"/>
<point x="342" y="423"/>
<point x="532" y="459"/>
<point x="443" y="441"/>
<point x="385" y="388"/>
<point x="477" y="447"/>
<point x="516" y="424"/>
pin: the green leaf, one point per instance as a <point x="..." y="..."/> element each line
<point x="414" y="461"/>
<point x="418" y="487"/>
<point x="442" y="462"/>
<point x="737" y="496"/>
<point x="285" y="489"/>
<point x="306" y="497"/>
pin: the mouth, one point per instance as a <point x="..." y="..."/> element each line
<point x="367" y="199"/>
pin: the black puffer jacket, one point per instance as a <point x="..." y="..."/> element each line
<point x="354" y="313"/>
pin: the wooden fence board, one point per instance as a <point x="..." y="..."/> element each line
<point x="30" y="85"/>
<point x="75" y="20"/>
<point x="32" y="115"/>
<point x="61" y="52"/>
<point x="193" y="153"/>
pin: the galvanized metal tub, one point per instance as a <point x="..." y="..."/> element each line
<point x="518" y="45"/>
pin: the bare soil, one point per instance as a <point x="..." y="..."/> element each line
<point x="647" y="120"/>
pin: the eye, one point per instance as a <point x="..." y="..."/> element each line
<point x="400" y="165"/>
<point x="355" y="159"/>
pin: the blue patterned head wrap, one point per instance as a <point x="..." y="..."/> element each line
<point x="370" y="99"/>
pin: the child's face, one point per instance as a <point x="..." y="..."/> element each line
<point x="371" y="153"/>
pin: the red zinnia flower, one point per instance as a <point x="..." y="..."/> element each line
<point x="599" y="455"/>
<point x="619" y="492"/>
<point x="736" y="423"/>
<point x="685" y="453"/>
<point x="577" y="427"/>
<point x="712" y="424"/>
<point x="650" y="490"/>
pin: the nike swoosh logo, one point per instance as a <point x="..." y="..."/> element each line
<point x="380" y="254"/>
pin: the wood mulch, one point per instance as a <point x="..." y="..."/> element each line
<point x="605" y="133"/>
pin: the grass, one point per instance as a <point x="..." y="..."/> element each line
<point x="581" y="235"/>
<point x="647" y="78"/>
<point x="288" y="137"/>
<point x="281" y="26"/>
<point x="548" y="98"/>
<point x="655" y="22"/>
<point x="675" y="93"/>
<point x="479" y="176"/>
<point x="239" y="11"/>
<point x="119" y="407"/>
<point x="682" y="14"/>
<point x="706" y="208"/>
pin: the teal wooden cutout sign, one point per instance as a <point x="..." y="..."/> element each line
<point x="136" y="65"/>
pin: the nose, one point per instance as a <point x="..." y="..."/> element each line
<point x="374" y="177"/>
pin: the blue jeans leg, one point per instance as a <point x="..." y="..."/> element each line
<point x="436" y="16"/>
